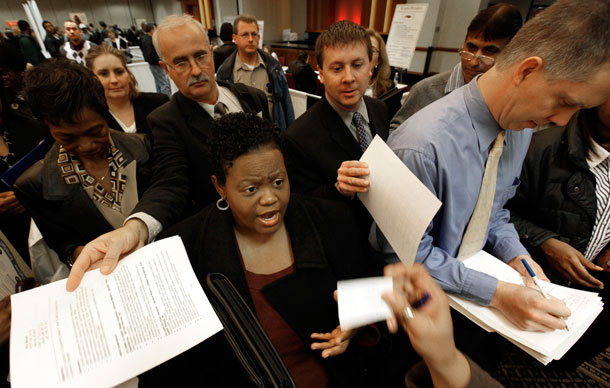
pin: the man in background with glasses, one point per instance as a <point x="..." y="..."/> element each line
<point x="487" y="35"/>
<point x="181" y="183"/>
<point x="253" y="67"/>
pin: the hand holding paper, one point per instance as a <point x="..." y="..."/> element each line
<point x="351" y="178"/>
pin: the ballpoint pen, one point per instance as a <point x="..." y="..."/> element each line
<point x="537" y="282"/>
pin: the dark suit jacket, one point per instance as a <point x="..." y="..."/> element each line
<point x="222" y="52"/>
<point x="143" y="105"/>
<point x="182" y="171"/>
<point x="304" y="77"/>
<point x="324" y="251"/>
<point x="64" y="213"/>
<point x="52" y="44"/>
<point x="316" y="145"/>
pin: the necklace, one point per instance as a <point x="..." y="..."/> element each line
<point x="104" y="176"/>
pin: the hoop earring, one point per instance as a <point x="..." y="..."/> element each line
<point x="220" y="206"/>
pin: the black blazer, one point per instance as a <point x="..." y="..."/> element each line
<point x="324" y="250"/>
<point x="143" y="105"/>
<point x="182" y="171"/>
<point x="64" y="213"/>
<point x="318" y="142"/>
<point x="52" y="44"/>
<point x="223" y="52"/>
<point x="304" y="77"/>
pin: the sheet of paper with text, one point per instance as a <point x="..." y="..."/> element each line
<point x="400" y="204"/>
<point x="112" y="328"/>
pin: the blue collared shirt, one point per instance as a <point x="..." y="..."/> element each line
<point x="446" y="146"/>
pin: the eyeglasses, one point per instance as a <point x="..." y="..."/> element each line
<point x="246" y="35"/>
<point x="485" y="60"/>
<point x="185" y="65"/>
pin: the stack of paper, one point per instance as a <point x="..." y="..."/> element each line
<point x="543" y="346"/>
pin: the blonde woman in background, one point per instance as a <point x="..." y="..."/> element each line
<point x="380" y="66"/>
<point x="127" y="107"/>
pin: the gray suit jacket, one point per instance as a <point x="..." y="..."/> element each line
<point x="421" y="94"/>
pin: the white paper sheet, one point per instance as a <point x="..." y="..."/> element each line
<point x="112" y="328"/>
<point x="400" y="204"/>
<point x="360" y="301"/>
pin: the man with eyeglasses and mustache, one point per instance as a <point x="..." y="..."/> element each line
<point x="181" y="172"/>
<point x="487" y="35"/>
<point x="253" y="67"/>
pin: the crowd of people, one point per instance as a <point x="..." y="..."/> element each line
<point x="271" y="201"/>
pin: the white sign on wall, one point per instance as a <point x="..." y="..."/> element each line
<point x="406" y="26"/>
<point x="81" y="16"/>
<point x="261" y="27"/>
<point x="228" y="19"/>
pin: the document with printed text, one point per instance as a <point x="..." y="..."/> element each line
<point x="112" y="328"/>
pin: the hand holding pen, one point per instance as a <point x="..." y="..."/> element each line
<point x="422" y="310"/>
<point x="420" y="307"/>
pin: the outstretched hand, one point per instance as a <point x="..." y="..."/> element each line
<point x="105" y="251"/>
<point x="336" y="342"/>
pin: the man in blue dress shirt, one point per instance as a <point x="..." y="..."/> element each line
<point x="539" y="78"/>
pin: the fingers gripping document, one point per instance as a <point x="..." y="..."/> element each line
<point x="112" y="328"/>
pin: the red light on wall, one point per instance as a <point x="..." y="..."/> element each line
<point x="349" y="10"/>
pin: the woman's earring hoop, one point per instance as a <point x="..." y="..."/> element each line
<point x="222" y="204"/>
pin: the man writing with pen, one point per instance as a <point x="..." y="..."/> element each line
<point x="468" y="149"/>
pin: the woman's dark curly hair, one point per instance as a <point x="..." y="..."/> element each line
<point x="237" y="134"/>
<point x="60" y="89"/>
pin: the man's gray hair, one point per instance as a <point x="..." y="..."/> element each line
<point x="571" y="36"/>
<point x="174" y="21"/>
